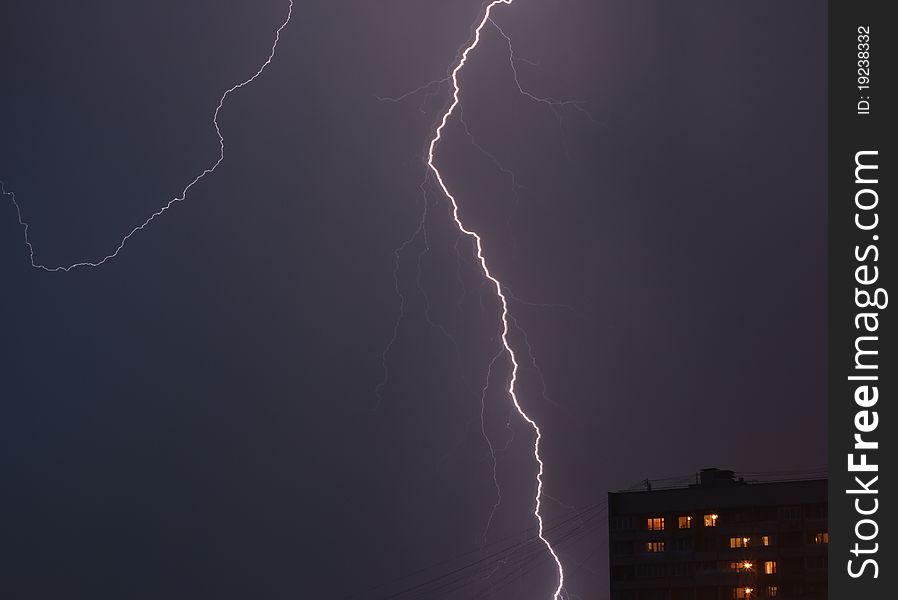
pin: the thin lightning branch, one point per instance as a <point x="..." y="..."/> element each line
<point x="421" y="231"/>
<point x="527" y="61"/>
<point x="173" y="201"/>
<point x="427" y="307"/>
<point x="536" y="368"/>
<point x="552" y="103"/>
<point x="492" y="157"/>
<point x="515" y="186"/>
<point x="436" y="83"/>
<point x="438" y="134"/>
<point x="420" y="88"/>
<point x="547" y="305"/>
<point x="397" y="254"/>
<point x="510" y="431"/>
<point x="489" y="443"/>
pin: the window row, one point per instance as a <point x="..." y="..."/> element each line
<point x="755" y="572"/>
<point x="770" y="540"/>
<point x="710" y="519"/>
<point x="745" y="593"/>
<point x="683" y="522"/>
<point x="768" y="567"/>
<point x="688" y="544"/>
<point x="783" y="591"/>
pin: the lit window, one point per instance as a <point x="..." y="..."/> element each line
<point x="711" y="520"/>
<point x="654" y="546"/>
<point x="685" y="522"/>
<point x="739" y="542"/>
<point x="769" y="567"/>
<point x="772" y="591"/>
<point x="821" y="538"/>
<point x="655" y="523"/>
<point x="741" y="566"/>
<point x="742" y="593"/>
<point x="765" y="540"/>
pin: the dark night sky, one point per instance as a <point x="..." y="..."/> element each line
<point x="197" y="418"/>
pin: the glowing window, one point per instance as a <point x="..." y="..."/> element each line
<point x="741" y="566"/>
<point x="821" y="538"/>
<point x="772" y="591"/>
<point x="711" y="520"/>
<point x="739" y="542"/>
<point x="655" y="523"/>
<point x="742" y="593"/>
<point x="654" y="546"/>
<point x="685" y="522"/>
<point x="765" y="540"/>
<point x="769" y="567"/>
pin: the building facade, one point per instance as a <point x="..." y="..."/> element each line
<point x="720" y="539"/>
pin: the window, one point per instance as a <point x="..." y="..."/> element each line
<point x="651" y="571"/>
<point x="655" y="523"/>
<point x="707" y="566"/>
<point x="654" y="546"/>
<point x="772" y="591"/>
<point x="765" y="540"/>
<point x="741" y="566"/>
<point x="742" y="593"/>
<point x="682" y="545"/>
<point x="685" y="522"/>
<point x="822" y="538"/>
<point x="739" y="542"/>
<point x="769" y="567"/>
<point x="711" y="520"/>
<point x="791" y="539"/>
<point x="621" y="523"/>
<point x="790" y="513"/>
<point x="622" y="548"/>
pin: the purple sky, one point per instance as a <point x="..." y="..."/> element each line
<point x="196" y="418"/>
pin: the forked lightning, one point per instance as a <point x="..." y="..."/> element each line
<point x="504" y="317"/>
<point x="173" y="201"/>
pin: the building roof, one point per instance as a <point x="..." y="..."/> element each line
<point x="718" y="489"/>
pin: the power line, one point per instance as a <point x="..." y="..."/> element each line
<point x="470" y="569"/>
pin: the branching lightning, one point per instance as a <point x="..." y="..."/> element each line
<point x="489" y="444"/>
<point x="552" y="103"/>
<point x="24" y="224"/>
<point x="504" y="316"/>
<point x="453" y="108"/>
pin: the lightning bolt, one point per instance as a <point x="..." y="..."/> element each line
<point x="207" y="171"/>
<point x="504" y="316"/>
